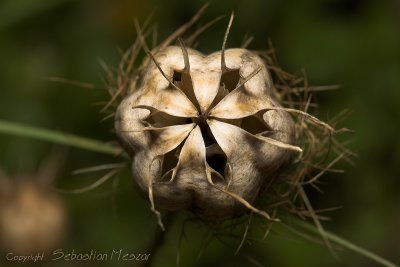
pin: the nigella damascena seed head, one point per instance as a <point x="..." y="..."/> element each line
<point x="205" y="132"/>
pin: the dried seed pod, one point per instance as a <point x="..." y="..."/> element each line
<point x="208" y="133"/>
<point x="205" y="132"/>
<point x="32" y="217"/>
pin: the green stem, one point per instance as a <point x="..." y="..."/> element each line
<point x="345" y="244"/>
<point x="98" y="146"/>
<point x="17" y="129"/>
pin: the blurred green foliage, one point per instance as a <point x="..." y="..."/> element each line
<point x="353" y="43"/>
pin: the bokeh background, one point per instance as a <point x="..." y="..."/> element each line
<point x="353" y="43"/>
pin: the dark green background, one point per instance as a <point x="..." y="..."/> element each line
<point x="354" y="43"/>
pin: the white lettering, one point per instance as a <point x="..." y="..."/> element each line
<point x="58" y="252"/>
